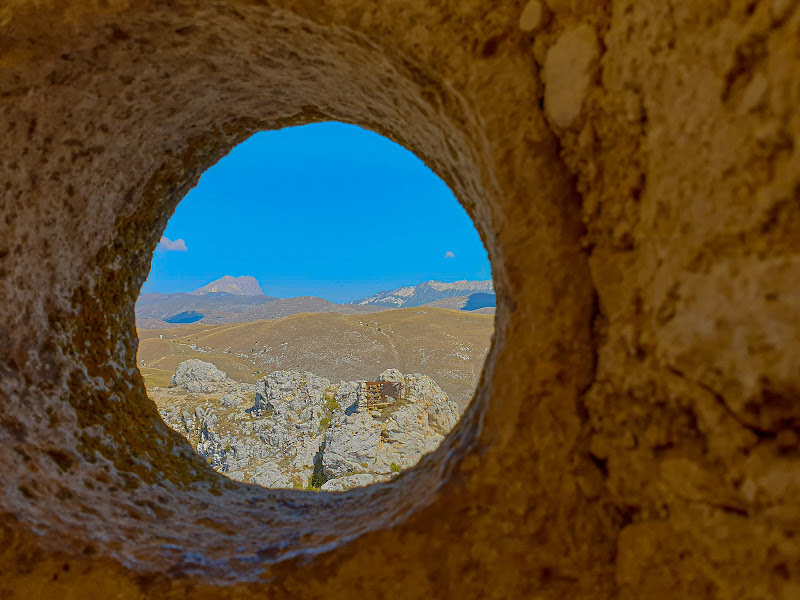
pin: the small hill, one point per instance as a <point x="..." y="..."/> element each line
<point x="284" y="307"/>
<point x="426" y="292"/>
<point x="468" y="303"/>
<point x="166" y="306"/>
<point x="150" y="323"/>
<point x="172" y="309"/>
<point x="240" y="286"/>
<point x="448" y="345"/>
<point x="233" y="300"/>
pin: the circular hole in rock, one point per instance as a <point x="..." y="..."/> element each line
<point x="318" y="311"/>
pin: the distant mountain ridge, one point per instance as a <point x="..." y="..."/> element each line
<point x="157" y="311"/>
<point x="426" y="292"/>
<point x="165" y="306"/>
<point x="239" y="286"/>
<point x="242" y="306"/>
<point x="284" y="307"/>
<point x="469" y="303"/>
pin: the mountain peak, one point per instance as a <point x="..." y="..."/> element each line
<point x="240" y="286"/>
<point x="426" y="292"/>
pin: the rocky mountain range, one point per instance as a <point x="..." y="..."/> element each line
<point x="240" y="300"/>
<point x="241" y="286"/>
<point x="298" y="430"/>
<point x="473" y="302"/>
<point x="190" y="308"/>
<point x="426" y="292"/>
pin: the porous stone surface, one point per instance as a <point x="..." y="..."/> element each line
<point x="382" y="442"/>
<point x="567" y="73"/>
<point x="342" y="484"/>
<point x="197" y="376"/>
<point x="531" y="16"/>
<point x="641" y="390"/>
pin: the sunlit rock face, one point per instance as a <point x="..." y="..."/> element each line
<point x="299" y="431"/>
<point x="197" y="376"/>
<point x="632" y="168"/>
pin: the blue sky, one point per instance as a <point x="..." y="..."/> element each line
<point x="328" y="210"/>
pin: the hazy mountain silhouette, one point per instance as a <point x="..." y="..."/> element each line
<point x="425" y="293"/>
<point x="240" y="286"/>
<point x="154" y="311"/>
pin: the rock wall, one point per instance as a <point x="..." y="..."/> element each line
<point x="633" y="171"/>
<point x="296" y="430"/>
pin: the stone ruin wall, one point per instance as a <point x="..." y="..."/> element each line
<point x="634" y="171"/>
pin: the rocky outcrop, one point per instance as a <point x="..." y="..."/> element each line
<point x="197" y="376"/>
<point x="382" y="442"/>
<point x="298" y="430"/>
<point x="426" y="292"/>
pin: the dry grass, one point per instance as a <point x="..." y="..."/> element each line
<point x="448" y="345"/>
<point x="156" y="377"/>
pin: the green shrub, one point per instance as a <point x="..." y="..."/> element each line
<point x="331" y="405"/>
<point x="316" y="481"/>
<point x="324" y="423"/>
<point x="395" y="467"/>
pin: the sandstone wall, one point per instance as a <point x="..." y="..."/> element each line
<point x="633" y="171"/>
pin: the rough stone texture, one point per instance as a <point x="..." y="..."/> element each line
<point x="350" y="481"/>
<point x="568" y="72"/>
<point x="196" y="376"/>
<point x="294" y="427"/>
<point x="396" y="437"/>
<point x="641" y="384"/>
<point x="531" y="16"/>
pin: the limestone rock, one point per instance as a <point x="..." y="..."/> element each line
<point x="397" y="438"/>
<point x="196" y="376"/>
<point x="298" y="425"/>
<point x="231" y="400"/>
<point x="345" y="483"/>
<point x="292" y="395"/>
<point x="392" y="375"/>
<point x="271" y="476"/>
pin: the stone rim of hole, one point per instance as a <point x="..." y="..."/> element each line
<point x="100" y="442"/>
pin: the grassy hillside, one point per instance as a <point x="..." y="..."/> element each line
<point x="448" y="345"/>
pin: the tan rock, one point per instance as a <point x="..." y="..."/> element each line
<point x="531" y="16"/>
<point x="559" y="6"/>
<point x="781" y="8"/>
<point x="754" y="93"/>
<point x="568" y="73"/>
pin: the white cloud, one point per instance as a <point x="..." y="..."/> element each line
<point x="449" y="254"/>
<point x="168" y="245"/>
